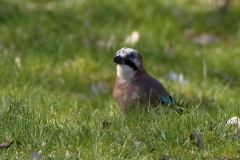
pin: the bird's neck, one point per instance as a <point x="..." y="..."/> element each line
<point x="125" y="73"/>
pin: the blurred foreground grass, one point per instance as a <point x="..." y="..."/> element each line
<point x="57" y="75"/>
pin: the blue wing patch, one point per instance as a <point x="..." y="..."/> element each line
<point x="164" y="100"/>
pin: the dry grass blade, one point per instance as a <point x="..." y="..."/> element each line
<point x="196" y="138"/>
<point x="5" y="145"/>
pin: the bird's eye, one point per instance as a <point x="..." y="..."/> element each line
<point x="131" y="55"/>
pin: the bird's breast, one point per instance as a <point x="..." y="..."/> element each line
<point x="126" y="93"/>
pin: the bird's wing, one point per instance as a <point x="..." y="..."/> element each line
<point x="153" y="85"/>
<point x="164" y="100"/>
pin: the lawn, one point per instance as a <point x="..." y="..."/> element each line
<point x="57" y="75"/>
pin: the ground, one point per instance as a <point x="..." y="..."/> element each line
<point x="57" y="75"/>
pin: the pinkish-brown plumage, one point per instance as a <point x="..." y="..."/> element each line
<point x="134" y="86"/>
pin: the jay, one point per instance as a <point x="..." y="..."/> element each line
<point x="134" y="87"/>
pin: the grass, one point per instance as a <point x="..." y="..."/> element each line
<point x="53" y="54"/>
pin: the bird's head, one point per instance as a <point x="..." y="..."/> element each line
<point x="129" y="62"/>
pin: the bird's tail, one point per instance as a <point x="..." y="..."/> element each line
<point x="176" y="105"/>
<point x="172" y="102"/>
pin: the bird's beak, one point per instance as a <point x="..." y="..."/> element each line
<point x="119" y="60"/>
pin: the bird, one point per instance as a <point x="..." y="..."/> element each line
<point x="134" y="87"/>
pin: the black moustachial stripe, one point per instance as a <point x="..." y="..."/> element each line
<point x="131" y="64"/>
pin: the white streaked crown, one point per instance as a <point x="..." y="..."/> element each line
<point x="124" y="51"/>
